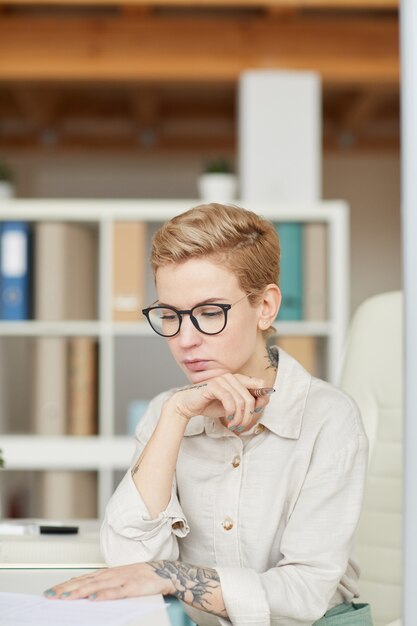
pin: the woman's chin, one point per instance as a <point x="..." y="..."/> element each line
<point x="202" y="376"/>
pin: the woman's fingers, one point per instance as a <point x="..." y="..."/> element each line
<point x="240" y="407"/>
<point x="226" y="397"/>
<point x="257" y="413"/>
<point x="74" y="585"/>
<point x="122" y="581"/>
<point x="113" y="593"/>
<point x="244" y="401"/>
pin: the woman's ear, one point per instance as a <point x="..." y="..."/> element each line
<point x="269" y="306"/>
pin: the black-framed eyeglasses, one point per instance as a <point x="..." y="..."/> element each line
<point x="209" y="318"/>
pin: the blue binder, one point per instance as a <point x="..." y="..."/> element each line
<point x="291" y="282"/>
<point x="14" y="270"/>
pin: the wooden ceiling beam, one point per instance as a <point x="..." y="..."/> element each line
<point x="336" y="5"/>
<point x="360" y="110"/>
<point x="151" y="48"/>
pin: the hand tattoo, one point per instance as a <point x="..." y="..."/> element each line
<point x="193" y="387"/>
<point x="193" y="585"/>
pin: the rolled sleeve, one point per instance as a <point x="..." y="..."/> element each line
<point x="129" y="534"/>
<point x="244" y="597"/>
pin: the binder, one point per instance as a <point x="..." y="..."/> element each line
<point x="82" y="386"/>
<point x="14" y="271"/>
<point x="304" y="349"/>
<point x="291" y="275"/>
<point x="129" y="271"/>
<point x="49" y="392"/>
<point x="65" y="271"/>
<point x="65" y="289"/>
<point x="315" y="271"/>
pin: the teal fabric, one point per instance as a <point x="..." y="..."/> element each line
<point x="341" y="615"/>
<point x="347" y="615"/>
<point x="177" y="615"/>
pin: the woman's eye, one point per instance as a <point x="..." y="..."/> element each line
<point x="211" y="313"/>
<point x="168" y="318"/>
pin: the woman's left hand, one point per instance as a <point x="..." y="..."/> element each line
<point x="125" y="581"/>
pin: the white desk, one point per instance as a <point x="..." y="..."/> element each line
<point x="35" y="577"/>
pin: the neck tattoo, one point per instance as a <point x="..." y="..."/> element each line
<point x="272" y="356"/>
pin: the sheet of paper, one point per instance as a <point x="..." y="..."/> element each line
<point x="18" y="609"/>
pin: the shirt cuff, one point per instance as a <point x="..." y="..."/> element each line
<point x="129" y="516"/>
<point x="244" y="597"/>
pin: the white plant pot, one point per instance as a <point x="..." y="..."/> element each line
<point x="6" y="190"/>
<point x="217" y="187"/>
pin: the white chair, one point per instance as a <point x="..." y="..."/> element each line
<point x="373" y="375"/>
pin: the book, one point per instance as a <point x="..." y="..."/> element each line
<point x="65" y="271"/>
<point x="315" y="271"/>
<point x="291" y="273"/>
<point x="135" y="411"/>
<point x="304" y="349"/>
<point x="14" y="271"/>
<point x="82" y="386"/>
<point x="66" y="495"/>
<point x="49" y="386"/>
<point x="129" y="270"/>
<point x="65" y="288"/>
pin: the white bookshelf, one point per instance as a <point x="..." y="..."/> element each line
<point x="108" y="452"/>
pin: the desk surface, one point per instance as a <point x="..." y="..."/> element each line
<point x="37" y="576"/>
<point x="37" y="580"/>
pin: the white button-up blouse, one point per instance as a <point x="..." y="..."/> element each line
<point x="273" y="510"/>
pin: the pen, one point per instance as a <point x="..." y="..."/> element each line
<point x="264" y="391"/>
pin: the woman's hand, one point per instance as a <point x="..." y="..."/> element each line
<point x="125" y="581"/>
<point x="225" y="397"/>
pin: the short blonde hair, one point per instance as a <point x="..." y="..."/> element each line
<point x="238" y="239"/>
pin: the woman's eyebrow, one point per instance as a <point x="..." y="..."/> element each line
<point x="206" y="301"/>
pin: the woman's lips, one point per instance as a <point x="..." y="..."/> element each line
<point x="196" y="365"/>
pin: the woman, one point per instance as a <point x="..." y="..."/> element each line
<point x="242" y="505"/>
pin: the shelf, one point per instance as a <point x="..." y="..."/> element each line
<point x="139" y="329"/>
<point x="33" y="328"/>
<point x="123" y="374"/>
<point x="316" y="329"/>
<point x="35" y="452"/>
<point x="154" y="210"/>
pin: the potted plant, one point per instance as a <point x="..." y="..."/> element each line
<point x="6" y="181"/>
<point x="218" y="183"/>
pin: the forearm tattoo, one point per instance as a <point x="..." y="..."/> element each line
<point x="136" y="465"/>
<point x="272" y="357"/>
<point x="193" y="585"/>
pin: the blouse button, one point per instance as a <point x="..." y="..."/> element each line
<point x="236" y="461"/>
<point x="259" y="429"/>
<point x="227" y="523"/>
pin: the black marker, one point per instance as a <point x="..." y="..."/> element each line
<point x="57" y="529"/>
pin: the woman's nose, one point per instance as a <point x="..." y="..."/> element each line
<point x="189" y="334"/>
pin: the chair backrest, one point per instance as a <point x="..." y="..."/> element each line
<point x="373" y="375"/>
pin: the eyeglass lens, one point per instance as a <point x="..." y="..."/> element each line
<point x="210" y="319"/>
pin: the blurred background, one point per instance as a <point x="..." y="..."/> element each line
<point x="131" y="99"/>
<point x="132" y="102"/>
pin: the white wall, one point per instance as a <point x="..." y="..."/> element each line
<point x="369" y="182"/>
<point x="371" y="185"/>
